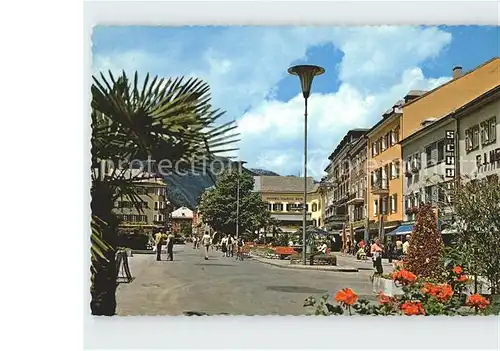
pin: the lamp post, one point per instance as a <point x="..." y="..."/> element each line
<point x="240" y="163"/>
<point x="306" y="74"/>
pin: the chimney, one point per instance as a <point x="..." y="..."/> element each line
<point x="457" y="72"/>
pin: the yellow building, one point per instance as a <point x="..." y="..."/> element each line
<point x="284" y="196"/>
<point x="385" y="185"/>
<point x="386" y="168"/>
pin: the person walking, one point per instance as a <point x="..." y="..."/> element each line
<point x="206" y="240"/>
<point x="223" y="244"/>
<point x="230" y="243"/>
<point x="170" y="247"/>
<point x="376" y="252"/>
<point x="158" y="243"/>
<point x="239" y="253"/>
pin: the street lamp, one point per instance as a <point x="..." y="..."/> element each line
<point x="240" y="163"/>
<point x="306" y="74"/>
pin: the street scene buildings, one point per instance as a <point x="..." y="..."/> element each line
<point x="386" y="211"/>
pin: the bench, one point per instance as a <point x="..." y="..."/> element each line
<point x="284" y="251"/>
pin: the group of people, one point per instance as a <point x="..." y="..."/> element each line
<point x="161" y="239"/>
<point x="227" y="244"/>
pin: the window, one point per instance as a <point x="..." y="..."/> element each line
<point x="409" y="201"/>
<point x="278" y="207"/>
<point x="394" y="203"/>
<point x="440" y="150"/>
<point x="408" y="164"/>
<point x="415" y="161"/>
<point x="374" y="148"/>
<point x="384" y="142"/>
<point x="375" y="207"/>
<point x="384" y="202"/>
<point x="416" y="199"/>
<point x="428" y="155"/>
<point x="314" y="207"/>
<point x="395" y="136"/>
<point x="428" y="194"/>
<point x="488" y="131"/>
<point x="472" y="138"/>
<point x="395" y="169"/>
<point x="441" y="194"/>
<point x="157" y="205"/>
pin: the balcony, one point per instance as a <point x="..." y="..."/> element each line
<point x="336" y="218"/>
<point x="354" y="199"/>
<point x="380" y="187"/>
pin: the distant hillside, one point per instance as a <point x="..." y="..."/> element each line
<point x="263" y="172"/>
<point x="185" y="190"/>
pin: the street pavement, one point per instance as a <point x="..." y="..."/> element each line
<point x="226" y="286"/>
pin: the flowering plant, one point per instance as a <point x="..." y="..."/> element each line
<point x="420" y="297"/>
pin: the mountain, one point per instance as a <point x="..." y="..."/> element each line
<point x="184" y="190"/>
<point x="263" y="172"/>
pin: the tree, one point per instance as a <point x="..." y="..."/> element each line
<point x="160" y="119"/>
<point x="426" y="245"/>
<point x="218" y="205"/>
<point x="186" y="229"/>
<point x="476" y="208"/>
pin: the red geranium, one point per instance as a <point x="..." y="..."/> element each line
<point x="458" y="270"/>
<point x="404" y="277"/>
<point x="412" y="308"/>
<point x="346" y="296"/>
<point x="476" y="300"/>
<point x="462" y="278"/>
<point x="442" y="292"/>
<point x="384" y="299"/>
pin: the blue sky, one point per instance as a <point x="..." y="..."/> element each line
<point x="367" y="70"/>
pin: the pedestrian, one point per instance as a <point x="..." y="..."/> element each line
<point x="390" y="250"/>
<point x="223" y="243"/>
<point x="170" y="247"/>
<point x="399" y="249"/>
<point x="230" y="243"/>
<point x="158" y="243"/>
<point x="206" y="239"/>
<point x="239" y="253"/>
<point x="376" y="251"/>
<point x="406" y="245"/>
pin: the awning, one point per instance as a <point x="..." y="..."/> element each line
<point x="402" y="230"/>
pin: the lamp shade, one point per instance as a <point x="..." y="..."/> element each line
<point x="306" y="74"/>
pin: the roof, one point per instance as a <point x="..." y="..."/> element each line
<point x="182" y="212"/>
<point x="353" y="133"/>
<point x="393" y="111"/>
<point x="458" y="112"/>
<point x="452" y="80"/>
<point x="282" y="184"/>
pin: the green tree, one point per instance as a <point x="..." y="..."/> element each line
<point x="426" y="245"/>
<point x="476" y="220"/>
<point x="186" y="229"/>
<point x="162" y="119"/>
<point x="218" y="204"/>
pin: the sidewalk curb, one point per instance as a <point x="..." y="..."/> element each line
<point x="308" y="268"/>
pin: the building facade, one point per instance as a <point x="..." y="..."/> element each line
<point x="339" y="177"/>
<point x="357" y="199"/>
<point x="385" y="185"/>
<point x="285" y="196"/>
<point x="182" y="217"/>
<point x="154" y="210"/>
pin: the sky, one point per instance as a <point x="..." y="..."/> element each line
<point x="367" y="69"/>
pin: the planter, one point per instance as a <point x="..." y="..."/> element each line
<point x="387" y="286"/>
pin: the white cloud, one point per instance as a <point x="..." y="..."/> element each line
<point x="276" y="126"/>
<point x="243" y="65"/>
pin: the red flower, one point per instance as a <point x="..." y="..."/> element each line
<point x="384" y="299"/>
<point x="441" y="292"/>
<point x="462" y="278"/>
<point x="404" y="277"/>
<point x="412" y="308"/>
<point x="346" y="296"/>
<point x="476" y="300"/>
<point x="458" y="270"/>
